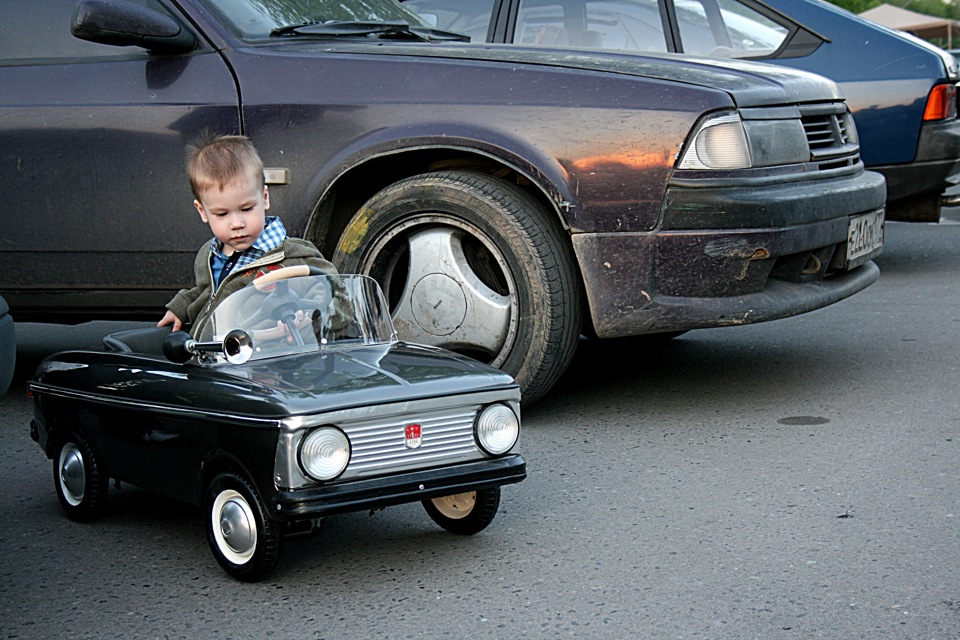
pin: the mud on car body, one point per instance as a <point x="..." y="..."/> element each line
<point x="508" y="199"/>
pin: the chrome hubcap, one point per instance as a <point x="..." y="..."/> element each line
<point x="235" y="527"/>
<point x="73" y="480"/>
<point x="238" y="532"/>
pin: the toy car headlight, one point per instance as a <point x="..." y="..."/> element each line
<point x="497" y="429"/>
<point x="719" y="143"/>
<point x="324" y="453"/>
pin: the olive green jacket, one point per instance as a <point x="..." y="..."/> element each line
<point x="194" y="306"/>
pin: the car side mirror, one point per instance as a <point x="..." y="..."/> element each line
<point x="123" y="24"/>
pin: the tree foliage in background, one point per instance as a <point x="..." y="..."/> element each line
<point x="937" y="8"/>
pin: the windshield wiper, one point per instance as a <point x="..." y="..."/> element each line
<point x="388" y="29"/>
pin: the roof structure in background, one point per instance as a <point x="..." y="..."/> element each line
<point x="919" y="24"/>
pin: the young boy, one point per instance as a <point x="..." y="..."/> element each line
<point x="226" y="175"/>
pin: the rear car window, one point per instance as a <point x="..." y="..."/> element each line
<point x="634" y="25"/>
<point x="726" y="28"/>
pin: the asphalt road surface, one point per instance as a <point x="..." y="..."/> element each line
<point x="795" y="479"/>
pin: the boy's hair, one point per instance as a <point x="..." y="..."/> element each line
<point x="215" y="161"/>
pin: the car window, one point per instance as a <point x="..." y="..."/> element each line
<point x="726" y="28"/>
<point x="632" y="25"/>
<point x="469" y="17"/>
<point x="39" y="30"/>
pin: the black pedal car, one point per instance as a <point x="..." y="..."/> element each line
<point x="302" y="403"/>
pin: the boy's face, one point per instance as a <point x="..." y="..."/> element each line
<point x="236" y="214"/>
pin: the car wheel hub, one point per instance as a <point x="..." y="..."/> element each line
<point x="235" y="527"/>
<point x="72" y="478"/>
<point x="438" y="304"/>
<point x="456" y="506"/>
<point x="450" y="296"/>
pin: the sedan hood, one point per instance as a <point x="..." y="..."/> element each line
<point x="749" y="84"/>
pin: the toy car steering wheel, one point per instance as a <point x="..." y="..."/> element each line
<point x="281" y="304"/>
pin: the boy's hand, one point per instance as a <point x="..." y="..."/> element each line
<point x="300" y="320"/>
<point x="170" y="318"/>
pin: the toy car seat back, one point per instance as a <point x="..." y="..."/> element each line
<point x="147" y="341"/>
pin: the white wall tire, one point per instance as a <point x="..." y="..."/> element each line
<point x="244" y="540"/>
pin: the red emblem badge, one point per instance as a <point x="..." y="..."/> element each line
<point x="411" y="434"/>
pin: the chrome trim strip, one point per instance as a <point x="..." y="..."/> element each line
<point x="511" y="396"/>
<point x="160" y="408"/>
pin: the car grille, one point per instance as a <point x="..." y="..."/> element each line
<point x="378" y="446"/>
<point x="831" y="136"/>
<point x="824" y="132"/>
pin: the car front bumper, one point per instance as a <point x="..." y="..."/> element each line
<point x="729" y="255"/>
<point x="914" y="189"/>
<point x="413" y="486"/>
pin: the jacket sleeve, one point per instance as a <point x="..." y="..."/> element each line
<point x="180" y="304"/>
<point x="186" y="299"/>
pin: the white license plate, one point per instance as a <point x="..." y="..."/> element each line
<point x="864" y="237"/>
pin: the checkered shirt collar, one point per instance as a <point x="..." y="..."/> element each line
<point x="274" y="233"/>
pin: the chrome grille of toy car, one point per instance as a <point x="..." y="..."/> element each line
<point x="379" y="445"/>
<point x="830" y="135"/>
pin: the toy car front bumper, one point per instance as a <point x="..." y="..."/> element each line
<point x="413" y="486"/>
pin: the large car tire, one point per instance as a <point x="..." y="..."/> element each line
<point x="245" y="542"/>
<point x="465" y="513"/>
<point x="474" y="264"/>
<point x="79" y="477"/>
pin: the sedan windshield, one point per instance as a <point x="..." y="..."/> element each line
<point x="254" y="20"/>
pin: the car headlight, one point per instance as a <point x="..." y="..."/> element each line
<point x="325" y="453"/>
<point x="497" y="429"/>
<point x="719" y="143"/>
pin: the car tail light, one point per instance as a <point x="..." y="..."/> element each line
<point x="941" y="103"/>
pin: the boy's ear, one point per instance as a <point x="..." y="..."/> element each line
<point x="266" y="197"/>
<point x="203" y="214"/>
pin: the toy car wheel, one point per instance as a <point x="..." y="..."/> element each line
<point x="462" y="257"/>
<point x="245" y="542"/>
<point x="80" y="479"/>
<point x="465" y="513"/>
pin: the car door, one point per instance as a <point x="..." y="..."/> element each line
<point x="98" y="211"/>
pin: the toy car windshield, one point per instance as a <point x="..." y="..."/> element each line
<point x="283" y="313"/>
